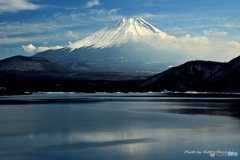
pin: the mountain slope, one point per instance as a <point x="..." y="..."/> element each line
<point x="120" y="32"/>
<point x="120" y="48"/>
<point x="188" y="76"/>
<point x="227" y="78"/>
<point x="30" y="64"/>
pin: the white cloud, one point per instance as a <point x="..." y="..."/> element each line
<point x="29" y="48"/>
<point x="207" y="32"/>
<point x="72" y="34"/>
<point x="14" y="32"/>
<point x="158" y="16"/>
<point x="102" y="12"/>
<point x="17" y="5"/>
<point x="232" y="25"/>
<point x="32" y="48"/>
<point x="220" y="33"/>
<point x="199" y="47"/>
<point x="15" y="40"/>
<point x="58" y="22"/>
<point x="215" y="33"/>
<point x="41" y="49"/>
<point x="113" y="11"/>
<point x="92" y="3"/>
<point x="177" y="30"/>
<point x="43" y="39"/>
<point x="17" y="28"/>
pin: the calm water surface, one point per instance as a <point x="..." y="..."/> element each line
<point x="135" y="126"/>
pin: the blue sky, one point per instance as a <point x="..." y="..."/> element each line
<point x="207" y="29"/>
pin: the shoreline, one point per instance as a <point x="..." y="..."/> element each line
<point x="159" y="94"/>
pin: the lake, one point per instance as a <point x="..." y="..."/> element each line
<point x="135" y="126"/>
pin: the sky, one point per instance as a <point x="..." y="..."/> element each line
<point x="204" y="29"/>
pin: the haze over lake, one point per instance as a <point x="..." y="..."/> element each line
<point x="117" y="126"/>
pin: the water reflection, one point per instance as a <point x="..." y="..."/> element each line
<point x="116" y="127"/>
<point x="86" y="145"/>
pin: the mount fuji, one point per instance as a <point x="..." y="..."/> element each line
<point x="119" y="48"/>
<point x="120" y="32"/>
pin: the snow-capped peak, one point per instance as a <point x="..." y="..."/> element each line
<point x="117" y="33"/>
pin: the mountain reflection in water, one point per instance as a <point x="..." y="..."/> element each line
<point x="117" y="126"/>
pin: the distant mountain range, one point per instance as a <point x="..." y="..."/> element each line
<point x="39" y="74"/>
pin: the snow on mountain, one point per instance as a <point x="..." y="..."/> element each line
<point x="125" y="46"/>
<point x="120" y="32"/>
